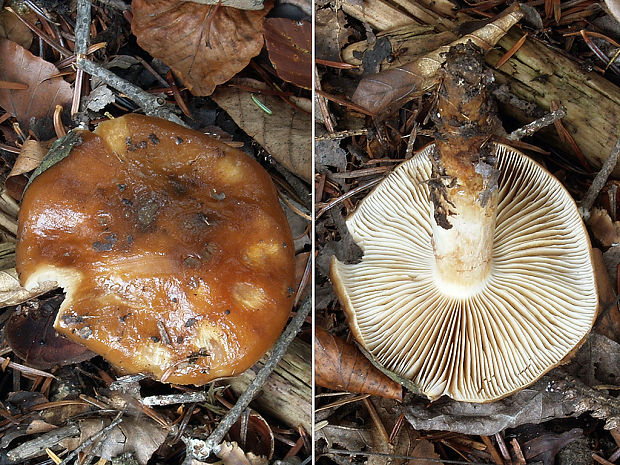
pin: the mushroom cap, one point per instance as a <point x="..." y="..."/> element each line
<point x="535" y="307"/>
<point x="172" y="248"/>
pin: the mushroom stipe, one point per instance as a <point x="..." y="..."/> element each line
<point x="484" y="340"/>
<point x="172" y="248"/>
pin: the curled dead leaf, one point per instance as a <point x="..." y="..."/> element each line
<point x="341" y="366"/>
<point x="205" y="45"/>
<point x="31" y="335"/>
<point x="44" y="92"/>
<point x="289" y="44"/>
<point x="254" y="435"/>
<point x="140" y="436"/>
<point x="606" y="231"/>
<point x="284" y="133"/>
<point x="13" y="29"/>
<point x="12" y="293"/>
<point x="29" y="158"/>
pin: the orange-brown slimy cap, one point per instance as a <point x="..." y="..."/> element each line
<point x="173" y="250"/>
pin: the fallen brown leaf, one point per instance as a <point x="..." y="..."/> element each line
<point x="205" y="45"/>
<point x="254" y="435"/>
<point x="140" y="436"/>
<point x="12" y="293"/>
<point x="289" y="44"/>
<point x="606" y="231"/>
<point x="608" y="321"/>
<point x="331" y="33"/>
<point x="32" y="337"/>
<point x="342" y="367"/>
<point x="44" y="91"/>
<point x="13" y="29"/>
<point x="29" y="158"/>
<point x="425" y="454"/>
<point x="285" y="133"/>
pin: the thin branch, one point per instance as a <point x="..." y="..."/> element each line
<point x="538" y="124"/>
<point x="151" y="104"/>
<point x="200" y="449"/>
<point x="599" y="181"/>
<point x="82" y="27"/>
<point x="398" y="456"/>
<point x="104" y="431"/>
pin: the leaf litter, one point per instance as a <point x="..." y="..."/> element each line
<point x="72" y="407"/>
<point x="582" y="394"/>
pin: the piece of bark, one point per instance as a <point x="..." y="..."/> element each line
<point x="287" y="393"/>
<point x="341" y="366"/>
<point x="379" y="14"/>
<point x="540" y="75"/>
<point x="406" y="44"/>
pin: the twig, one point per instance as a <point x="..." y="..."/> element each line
<point x="82" y="39"/>
<point x="342" y="134"/>
<point x="538" y="124"/>
<point x="34" y="447"/>
<point x="183" y="398"/>
<point x="502" y="447"/>
<point x="82" y="27"/>
<point x="374" y="416"/>
<point x="399" y="456"/>
<point x="518" y="452"/>
<point x="327" y="117"/>
<point x="151" y="104"/>
<point x="298" y="208"/>
<point x="59" y="48"/>
<point x="492" y="450"/>
<point x="25" y="369"/>
<point x="599" y="181"/>
<point x="332" y="203"/>
<point x="116" y="4"/>
<point x="117" y="420"/>
<point x="201" y="450"/>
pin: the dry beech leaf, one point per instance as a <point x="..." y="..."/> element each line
<point x="285" y="134"/>
<point x="425" y="449"/>
<point x="289" y="44"/>
<point x="606" y="231"/>
<point x="608" y="322"/>
<point x="13" y="29"/>
<point x="44" y="91"/>
<point x="342" y="367"/>
<point x="393" y="88"/>
<point x="205" y="45"/>
<point x="29" y="158"/>
<point x="32" y="337"/>
<point x="331" y="33"/>
<point x="254" y="434"/>
<point x="141" y="437"/>
<point x="231" y="454"/>
<point x="12" y="293"/>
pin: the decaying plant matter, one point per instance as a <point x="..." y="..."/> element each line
<point x="391" y="89"/>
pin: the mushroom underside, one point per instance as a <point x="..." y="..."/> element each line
<point x="479" y="343"/>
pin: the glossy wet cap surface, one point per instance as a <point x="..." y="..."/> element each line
<point x="175" y="255"/>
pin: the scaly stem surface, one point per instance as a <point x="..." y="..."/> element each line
<point x="464" y="178"/>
